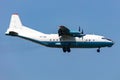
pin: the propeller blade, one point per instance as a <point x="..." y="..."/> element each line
<point x="82" y="32"/>
<point x="79" y="29"/>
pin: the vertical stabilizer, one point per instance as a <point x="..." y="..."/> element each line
<point x="16" y="27"/>
<point x="15" y="21"/>
<point x="15" y="24"/>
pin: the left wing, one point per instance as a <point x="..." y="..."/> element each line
<point x="64" y="31"/>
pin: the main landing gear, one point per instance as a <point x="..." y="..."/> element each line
<point x="66" y="49"/>
<point x="98" y="50"/>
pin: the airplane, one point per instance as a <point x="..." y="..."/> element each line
<point x="64" y="39"/>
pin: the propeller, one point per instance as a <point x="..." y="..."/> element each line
<point x="80" y="30"/>
<point x="82" y="33"/>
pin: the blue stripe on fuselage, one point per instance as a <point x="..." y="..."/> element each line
<point x="78" y="44"/>
<point x="71" y="44"/>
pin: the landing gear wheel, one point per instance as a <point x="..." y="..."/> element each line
<point x="98" y="50"/>
<point x="66" y="49"/>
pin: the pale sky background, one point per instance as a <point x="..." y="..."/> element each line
<point x="24" y="60"/>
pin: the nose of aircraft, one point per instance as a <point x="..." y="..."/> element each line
<point x="111" y="43"/>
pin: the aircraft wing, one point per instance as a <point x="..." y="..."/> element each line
<point x="64" y="31"/>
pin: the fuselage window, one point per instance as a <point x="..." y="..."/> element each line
<point x="107" y="39"/>
<point x="44" y="36"/>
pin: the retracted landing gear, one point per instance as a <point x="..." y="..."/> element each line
<point x="98" y="50"/>
<point x="66" y="49"/>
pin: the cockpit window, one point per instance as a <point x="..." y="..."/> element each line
<point x="107" y="39"/>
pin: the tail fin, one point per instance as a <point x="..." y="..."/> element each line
<point x="15" y="23"/>
<point x="16" y="28"/>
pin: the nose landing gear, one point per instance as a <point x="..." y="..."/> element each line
<point x="98" y="50"/>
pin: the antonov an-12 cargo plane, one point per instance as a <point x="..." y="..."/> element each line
<point x="65" y="38"/>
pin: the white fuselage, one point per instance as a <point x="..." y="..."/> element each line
<point x="53" y="40"/>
